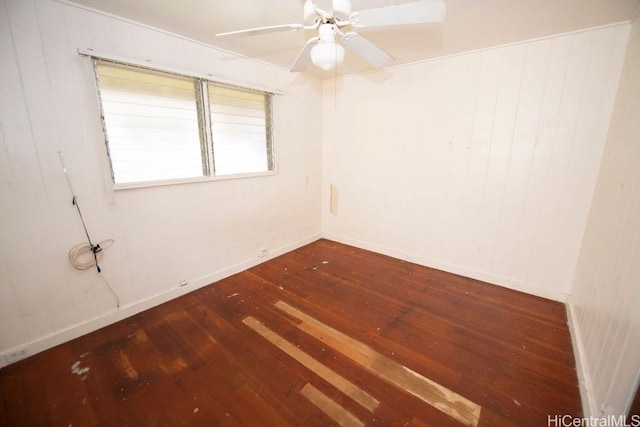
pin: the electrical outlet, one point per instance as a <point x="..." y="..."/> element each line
<point x="263" y="252"/>
<point x="184" y="282"/>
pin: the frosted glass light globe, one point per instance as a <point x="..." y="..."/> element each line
<point x="327" y="55"/>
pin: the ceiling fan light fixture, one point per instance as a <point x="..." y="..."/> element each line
<point x="326" y="55"/>
<point x="332" y="19"/>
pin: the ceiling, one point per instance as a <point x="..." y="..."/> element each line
<point x="470" y="25"/>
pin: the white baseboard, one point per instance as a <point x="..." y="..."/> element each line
<point x="494" y="279"/>
<point x="43" y="343"/>
<point x="589" y="406"/>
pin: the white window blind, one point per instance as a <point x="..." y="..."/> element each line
<point x="151" y="123"/>
<point x="154" y="124"/>
<point x="240" y="129"/>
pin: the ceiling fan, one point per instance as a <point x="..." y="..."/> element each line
<point x="331" y="17"/>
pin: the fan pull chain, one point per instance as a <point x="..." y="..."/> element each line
<point x="335" y="80"/>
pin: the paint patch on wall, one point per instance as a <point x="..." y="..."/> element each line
<point x="333" y="200"/>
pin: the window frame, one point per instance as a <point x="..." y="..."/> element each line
<point x="202" y="83"/>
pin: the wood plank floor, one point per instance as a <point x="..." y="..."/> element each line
<point x="327" y="334"/>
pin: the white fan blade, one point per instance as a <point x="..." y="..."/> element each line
<point x="418" y="12"/>
<point x="304" y="57"/>
<point x="262" y="30"/>
<point x="367" y="50"/>
<point x="340" y="9"/>
<point x="324" y="5"/>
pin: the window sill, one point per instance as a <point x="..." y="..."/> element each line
<point x="180" y="181"/>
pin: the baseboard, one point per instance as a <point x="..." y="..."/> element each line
<point x="589" y="406"/>
<point x="41" y="344"/>
<point x="494" y="279"/>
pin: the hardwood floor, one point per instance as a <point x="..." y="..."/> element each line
<point x="325" y="334"/>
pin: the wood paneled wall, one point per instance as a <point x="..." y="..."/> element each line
<point x="198" y="232"/>
<point x="482" y="164"/>
<point x="606" y="290"/>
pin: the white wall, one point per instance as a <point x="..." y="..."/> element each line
<point x="606" y="288"/>
<point x="483" y="164"/>
<point x="200" y="232"/>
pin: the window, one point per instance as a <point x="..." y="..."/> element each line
<point x="240" y="126"/>
<point x="162" y="126"/>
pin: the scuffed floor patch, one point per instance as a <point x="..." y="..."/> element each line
<point x="80" y="371"/>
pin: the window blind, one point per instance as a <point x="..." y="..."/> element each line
<point x="240" y="128"/>
<point x="152" y="124"/>
<point x="155" y="124"/>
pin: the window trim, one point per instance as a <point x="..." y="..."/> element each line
<point x="204" y="79"/>
<point x="180" y="181"/>
<point x="148" y="65"/>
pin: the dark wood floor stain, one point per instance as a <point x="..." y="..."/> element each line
<point x="194" y="361"/>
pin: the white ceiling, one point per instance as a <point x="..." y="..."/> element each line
<point x="470" y="25"/>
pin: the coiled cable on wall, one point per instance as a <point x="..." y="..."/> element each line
<point x="85" y="255"/>
<point x="78" y="253"/>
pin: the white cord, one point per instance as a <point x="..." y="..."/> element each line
<point x="82" y="257"/>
